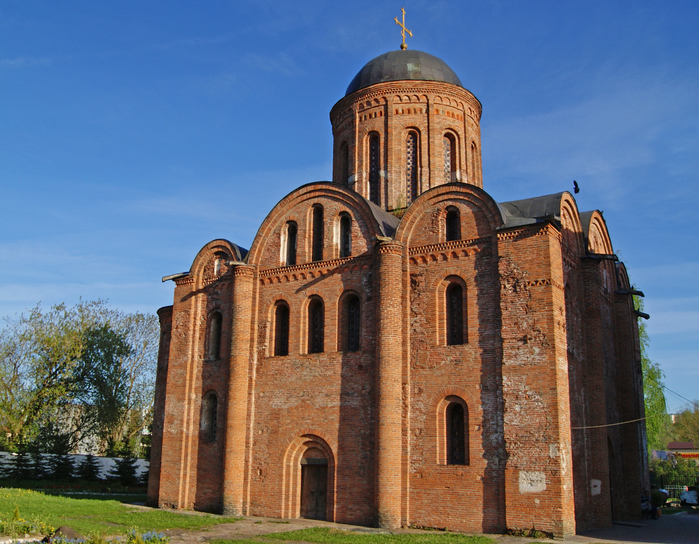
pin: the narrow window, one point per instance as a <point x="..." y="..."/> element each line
<point x="455" y="315"/>
<point x="457" y="435"/>
<point x="345" y="235"/>
<point x="453" y="224"/>
<point x="351" y="323"/>
<point x="316" y="323"/>
<point x="291" y="230"/>
<point x="215" y="336"/>
<point x="317" y="233"/>
<point x="474" y="160"/>
<point x="374" y="168"/>
<point x="344" y="164"/>
<point x="281" y="330"/>
<point x="449" y="143"/>
<point x="411" y="159"/>
<point x="209" y="417"/>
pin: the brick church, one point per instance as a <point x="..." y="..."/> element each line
<point x="396" y="348"/>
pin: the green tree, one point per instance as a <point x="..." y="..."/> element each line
<point x="686" y="425"/>
<point x="67" y="373"/>
<point x="39" y="353"/>
<point x="118" y="368"/>
<point x="657" y="419"/>
<point x="103" y="384"/>
<point x="677" y="471"/>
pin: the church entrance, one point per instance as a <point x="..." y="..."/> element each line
<point x="314" y="484"/>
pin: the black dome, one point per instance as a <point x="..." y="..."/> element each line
<point x="401" y="65"/>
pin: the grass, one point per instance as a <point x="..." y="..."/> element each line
<point x="334" y="536"/>
<point x="91" y="516"/>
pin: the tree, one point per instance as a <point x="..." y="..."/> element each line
<point x="67" y="373"/>
<point x="89" y="470"/>
<point x="39" y="353"/>
<point x="118" y="368"/>
<point x="676" y="471"/>
<point x="103" y="384"/>
<point x="124" y="471"/>
<point x="657" y="420"/>
<point x="687" y="424"/>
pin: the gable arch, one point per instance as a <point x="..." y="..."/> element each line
<point x="571" y="225"/>
<point x="294" y="206"/>
<point x="623" y="281"/>
<point x="203" y="265"/>
<point x="430" y="205"/>
<point x="597" y="235"/>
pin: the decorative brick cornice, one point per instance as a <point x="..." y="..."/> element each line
<point x="533" y="283"/>
<point x="186" y="280"/>
<point x="242" y="271"/>
<point x="448" y="246"/>
<point x="316" y="269"/>
<point x="535" y="229"/>
<point x="390" y="248"/>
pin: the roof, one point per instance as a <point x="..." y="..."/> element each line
<point x="680" y="446"/>
<point x="388" y="223"/>
<point x="407" y="64"/>
<point x="531" y="210"/>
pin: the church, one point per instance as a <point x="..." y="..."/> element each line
<point x="398" y="349"/>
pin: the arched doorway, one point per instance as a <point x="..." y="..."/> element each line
<point x="314" y="484"/>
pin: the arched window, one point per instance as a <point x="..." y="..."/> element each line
<point x="317" y="249"/>
<point x="316" y="325"/>
<point x="209" y="417"/>
<point x="345" y="235"/>
<point x="374" y="168"/>
<point x="344" y="164"/>
<point x="350" y="320"/>
<point x="457" y="432"/>
<point x="281" y="329"/>
<point x="449" y="143"/>
<point x="474" y="162"/>
<point x="453" y="224"/>
<point x="291" y="230"/>
<point x="214" y="340"/>
<point x="411" y="161"/>
<point x="455" y="314"/>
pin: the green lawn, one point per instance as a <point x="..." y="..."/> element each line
<point x="334" y="536"/>
<point x="91" y="516"/>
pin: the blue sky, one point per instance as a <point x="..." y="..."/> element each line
<point x="132" y="133"/>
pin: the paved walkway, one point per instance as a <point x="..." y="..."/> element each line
<point x="675" y="529"/>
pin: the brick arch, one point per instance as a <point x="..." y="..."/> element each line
<point x="288" y="209"/>
<point x="294" y="448"/>
<point x="570" y="221"/>
<point x="437" y="410"/>
<point x="207" y="254"/>
<point x="453" y="194"/>
<point x="598" y="240"/>
<point x="623" y="280"/>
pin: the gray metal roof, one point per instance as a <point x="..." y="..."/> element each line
<point x="531" y="210"/>
<point x="239" y="253"/>
<point x="388" y="223"/>
<point x="401" y="65"/>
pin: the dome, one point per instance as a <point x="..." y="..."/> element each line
<point x="403" y="65"/>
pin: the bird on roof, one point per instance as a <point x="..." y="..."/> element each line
<point x="576" y="189"/>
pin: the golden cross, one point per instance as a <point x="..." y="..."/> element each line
<point x="404" y="30"/>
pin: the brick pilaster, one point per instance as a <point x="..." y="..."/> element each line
<point x="165" y="317"/>
<point x="388" y="385"/>
<point x="236" y="412"/>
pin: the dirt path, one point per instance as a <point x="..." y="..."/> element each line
<point x="677" y="529"/>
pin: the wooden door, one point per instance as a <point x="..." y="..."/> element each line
<point x="314" y="487"/>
